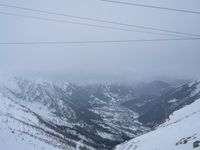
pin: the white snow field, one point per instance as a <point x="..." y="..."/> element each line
<point x="20" y="129"/>
<point x="179" y="132"/>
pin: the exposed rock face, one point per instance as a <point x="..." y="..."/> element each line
<point x="196" y="144"/>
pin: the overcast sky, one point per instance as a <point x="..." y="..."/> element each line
<point x="110" y="61"/>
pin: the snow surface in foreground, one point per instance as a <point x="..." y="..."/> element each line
<point x="20" y="129"/>
<point x="184" y="123"/>
<point x="10" y="137"/>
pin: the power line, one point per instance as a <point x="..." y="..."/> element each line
<point x="151" y="6"/>
<point x="86" y="24"/>
<point x="95" y="42"/>
<point x="99" y="20"/>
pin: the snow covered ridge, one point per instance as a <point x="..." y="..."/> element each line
<point x="180" y="132"/>
<point x="21" y="129"/>
<point x="66" y="115"/>
<point x="59" y="115"/>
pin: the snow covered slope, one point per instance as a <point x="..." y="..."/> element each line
<point x="43" y="114"/>
<point x="179" y="132"/>
<point x="22" y="129"/>
<point x="65" y="115"/>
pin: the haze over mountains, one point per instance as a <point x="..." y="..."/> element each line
<point x="45" y="114"/>
<point x="99" y="75"/>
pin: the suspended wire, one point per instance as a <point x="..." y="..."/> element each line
<point x="95" y="42"/>
<point x="99" y="20"/>
<point x="86" y="24"/>
<point x="151" y="6"/>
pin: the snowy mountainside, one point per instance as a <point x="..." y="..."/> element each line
<point x="180" y="132"/>
<point x="153" y="110"/>
<point x="163" y="106"/>
<point x="89" y="116"/>
<point x="84" y="117"/>
<point x="21" y="128"/>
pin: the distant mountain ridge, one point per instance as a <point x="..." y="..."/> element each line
<point x="96" y="116"/>
<point x="90" y="115"/>
<point x="154" y="110"/>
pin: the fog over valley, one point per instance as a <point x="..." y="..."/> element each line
<point x="99" y="75"/>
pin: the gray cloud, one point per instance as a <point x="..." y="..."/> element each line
<point x="125" y="61"/>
